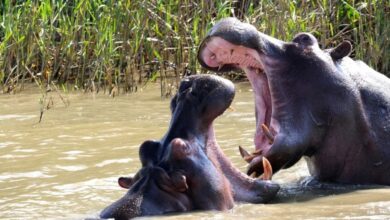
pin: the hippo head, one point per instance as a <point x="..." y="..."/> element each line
<point x="293" y="84"/>
<point x="176" y="172"/>
<point x="152" y="191"/>
<point x="186" y="170"/>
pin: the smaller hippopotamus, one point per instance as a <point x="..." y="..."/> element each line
<point x="186" y="170"/>
<point x="312" y="103"/>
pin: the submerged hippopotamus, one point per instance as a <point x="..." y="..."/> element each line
<point x="186" y="170"/>
<point x="309" y="102"/>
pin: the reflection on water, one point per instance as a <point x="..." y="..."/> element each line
<point x="67" y="166"/>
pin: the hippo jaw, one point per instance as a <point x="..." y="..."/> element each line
<point x="195" y="106"/>
<point x="226" y="48"/>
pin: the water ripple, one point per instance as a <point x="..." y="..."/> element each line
<point x="32" y="174"/>
<point x="7" y="143"/>
<point x="107" y="162"/>
<point x="17" y="117"/>
<point x="72" y="168"/>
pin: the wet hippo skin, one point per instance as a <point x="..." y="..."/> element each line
<point x="312" y="103"/>
<point x="186" y="170"/>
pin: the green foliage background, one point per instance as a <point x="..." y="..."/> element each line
<point x="116" y="45"/>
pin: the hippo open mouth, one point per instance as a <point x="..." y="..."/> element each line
<point x="309" y="102"/>
<point x="225" y="49"/>
<point x="187" y="170"/>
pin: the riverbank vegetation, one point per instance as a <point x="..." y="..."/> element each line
<point x="117" y="46"/>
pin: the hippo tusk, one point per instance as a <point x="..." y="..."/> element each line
<point x="220" y="67"/>
<point x="247" y="156"/>
<point x="268" y="133"/>
<point x="267" y="175"/>
<point x="254" y="175"/>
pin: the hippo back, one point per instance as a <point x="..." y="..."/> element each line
<point x="374" y="89"/>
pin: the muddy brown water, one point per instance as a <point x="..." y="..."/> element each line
<point x="67" y="166"/>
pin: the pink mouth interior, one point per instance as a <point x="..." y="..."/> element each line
<point x="217" y="52"/>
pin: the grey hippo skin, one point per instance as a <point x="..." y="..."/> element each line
<point x="309" y="102"/>
<point x="186" y="170"/>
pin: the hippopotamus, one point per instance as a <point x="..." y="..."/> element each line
<point x="309" y="102"/>
<point x="187" y="170"/>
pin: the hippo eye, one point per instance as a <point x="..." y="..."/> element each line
<point x="194" y="93"/>
<point x="305" y="38"/>
<point x="184" y="85"/>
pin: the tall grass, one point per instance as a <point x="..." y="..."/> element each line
<point x="117" y="46"/>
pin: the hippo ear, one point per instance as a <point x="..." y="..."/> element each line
<point x="148" y="153"/>
<point x="126" y="182"/>
<point x="342" y="50"/>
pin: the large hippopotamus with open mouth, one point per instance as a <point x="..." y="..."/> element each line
<point x="186" y="170"/>
<point x="308" y="102"/>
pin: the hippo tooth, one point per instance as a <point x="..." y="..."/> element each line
<point x="254" y="175"/>
<point x="220" y="67"/>
<point x="245" y="154"/>
<point x="268" y="133"/>
<point x="267" y="175"/>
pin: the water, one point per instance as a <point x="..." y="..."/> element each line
<point x="66" y="167"/>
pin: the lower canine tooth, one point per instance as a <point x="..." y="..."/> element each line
<point x="253" y="175"/>
<point x="245" y="154"/>
<point x="268" y="133"/>
<point x="267" y="175"/>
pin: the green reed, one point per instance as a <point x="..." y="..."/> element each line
<point x="117" y="46"/>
